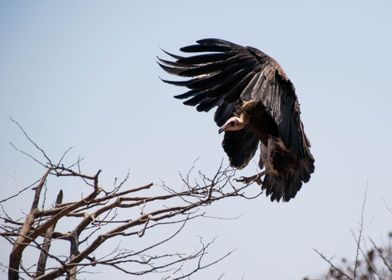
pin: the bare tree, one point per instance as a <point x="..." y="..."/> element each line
<point x="106" y="214"/>
<point x="374" y="263"/>
<point x="370" y="263"/>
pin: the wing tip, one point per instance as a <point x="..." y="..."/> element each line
<point x="175" y="56"/>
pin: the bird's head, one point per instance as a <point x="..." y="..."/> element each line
<point x="234" y="124"/>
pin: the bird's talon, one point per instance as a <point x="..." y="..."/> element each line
<point x="247" y="180"/>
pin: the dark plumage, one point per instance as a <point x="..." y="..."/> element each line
<point x="250" y="88"/>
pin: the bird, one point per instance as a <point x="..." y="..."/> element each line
<point x="256" y="106"/>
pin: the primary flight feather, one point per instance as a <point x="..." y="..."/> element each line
<point x="256" y="105"/>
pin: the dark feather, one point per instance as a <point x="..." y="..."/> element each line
<point x="205" y="48"/>
<point x="172" y="55"/>
<point x="218" y="42"/>
<point x="171" y="70"/>
<point x="223" y="113"/>
<point x="204" y="58"/>
<point x="187" y="94"/>
<point x="231" y="63"/>
<point x="208" y="104"/>
<point x="240" y="146"/>
<point x="178" y="83"/>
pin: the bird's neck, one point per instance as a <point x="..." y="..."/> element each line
<point x="243" y="119"/>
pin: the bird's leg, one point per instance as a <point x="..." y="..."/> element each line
<point x="255" y="178"/>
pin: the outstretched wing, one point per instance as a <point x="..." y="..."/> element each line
<point x="218" y="77"/>
<point x="226" y="74"/>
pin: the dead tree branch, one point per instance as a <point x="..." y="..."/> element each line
<point x="111" y="214"/>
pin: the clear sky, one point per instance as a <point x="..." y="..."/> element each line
<point x="84" y="74"/>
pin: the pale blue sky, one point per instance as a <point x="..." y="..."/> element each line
<point x="84" y="74"/>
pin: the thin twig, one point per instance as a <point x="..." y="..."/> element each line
<point x="358" y="243"/>
<point x="31" y="141"/>
<point x="332" y="265"/>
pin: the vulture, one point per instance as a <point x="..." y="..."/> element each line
<point x="256" y="106"/>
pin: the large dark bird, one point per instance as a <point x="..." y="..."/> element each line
<point x="256" y="104"/>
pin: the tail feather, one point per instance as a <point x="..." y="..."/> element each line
<point x="285" y="173"/>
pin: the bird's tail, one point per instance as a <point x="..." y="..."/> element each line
<point x="284" y="171"/>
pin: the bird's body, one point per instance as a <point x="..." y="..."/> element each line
<point x="256" y="106"/>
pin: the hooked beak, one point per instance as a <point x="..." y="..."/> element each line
<point x="222" y="128"/>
